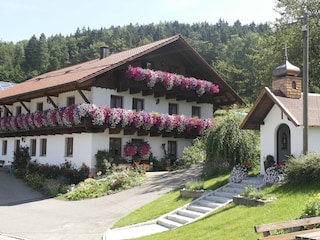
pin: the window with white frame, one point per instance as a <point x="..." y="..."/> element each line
<point x="196" y="111"/>
<point x="40" y="106"/>
<point x="18" y="110"/>
<point x="137" y="104"/>
<point x="115" y="146"/>
<point x="71" y="101"/>
<point x="116" y="101"/>
<point x="173" y="108"/>
<point x="4" y="147"/>
<point x="33" y="147"/>
<point x="43" y="147"/>
<point x="69" y="147"/>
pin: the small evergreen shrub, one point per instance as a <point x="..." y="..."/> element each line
<point x="20" y="161"/>
<point x="303" y="169"/>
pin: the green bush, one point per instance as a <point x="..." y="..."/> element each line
<point x="103" y="162"/>
<point x="252" y="193"/>
<point x="227" y="145"/>
<point x="194" y="185"/>
<point x="192" y="154"/>
<point x="303" y="169"/>
<point x="89" y="188"/>
<point x="34" y="180"/>
<point x="312" y="208"/>
<point x="20" y="161"/>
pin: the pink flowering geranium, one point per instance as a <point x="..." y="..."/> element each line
<point x="170" y="80"/>
<point x="130" y="149"/>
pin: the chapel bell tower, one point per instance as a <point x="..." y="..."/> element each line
<point x="286" y="81"/>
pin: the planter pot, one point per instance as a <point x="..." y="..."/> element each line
<point x="239" y="200"/>
<point x="191" y="193"/>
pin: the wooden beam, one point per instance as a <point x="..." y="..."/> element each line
<point x="8" y="110"/>
<point x="50" y="101"/>
<point x="83" y="96"/>
<point x="25" y="107"/>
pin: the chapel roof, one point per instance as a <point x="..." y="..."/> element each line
<point x="292" y="108"/>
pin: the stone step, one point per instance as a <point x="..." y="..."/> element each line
<point x="207" y="203"/>
<point x="168" y="223"/>
<point x="188" y="213"/>
<point x="198" y="208"/>
<point x="233" y="190"/>
<point x="224" y="194"/>
<point x="216" y="199"/>
<point x="179" y="218"/>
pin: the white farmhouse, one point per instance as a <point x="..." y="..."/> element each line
<point x="163" y="93"/>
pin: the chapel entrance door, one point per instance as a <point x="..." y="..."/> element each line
<point x="283" y="143"/>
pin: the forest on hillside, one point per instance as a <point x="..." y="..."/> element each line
<point x="243" y="55"/>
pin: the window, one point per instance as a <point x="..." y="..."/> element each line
<point x="196" y="112"/>
<point x="4" y="147"/>
<point x="70" y="101"/>
<point x="69" y="147"/>
<point x="173" y="108"/>
<point x="137" y="104"/>
<point x="33" y="147"/>
<point x="116" y="101"/>
<point x="43" y="147"/>
<point x="18" y="110"/>
<point x="172" y="150"/>
<point x="6" y="112"/>
<point x="17" y="145"/>
<point x="40" y="106"/>
<point x="115" y="146"/>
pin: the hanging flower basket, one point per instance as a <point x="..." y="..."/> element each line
<point x="170" y="80"/>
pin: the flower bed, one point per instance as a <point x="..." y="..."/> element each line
<point x="170" y="80"/>
<point x="104" y="116"/>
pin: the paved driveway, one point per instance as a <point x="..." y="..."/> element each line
<point x="26" y="213"/>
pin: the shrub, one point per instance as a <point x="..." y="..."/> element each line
<point x="52" y="187"/>
<point x="89" y="188"/>
<point x="103" y="164"/>
<point x="20" y="161"/>
<point x="227" y="145"/>
<point x="312" y="208"/>
<point x="34" y="180"/>
<point x="194" y="185"/>
<point x="192" y="154"/>
<point x="252" y="193"/>
<point x="303" y="169"/>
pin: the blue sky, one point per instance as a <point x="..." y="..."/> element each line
<point x="20" y="19"/>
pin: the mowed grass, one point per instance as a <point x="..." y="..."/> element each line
<point x="165" y="204"/>
<point x="233" y="221"/>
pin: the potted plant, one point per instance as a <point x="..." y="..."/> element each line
<point x="251" y="197"/>
<point x="193" y="189"/>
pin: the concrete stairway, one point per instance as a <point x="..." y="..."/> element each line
<point x="200" y="207"/>
<point x="206" y="204"/>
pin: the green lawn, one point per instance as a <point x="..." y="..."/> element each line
<point x="232" y="221"/>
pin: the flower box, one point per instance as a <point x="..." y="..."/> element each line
<point x="239" y="200"/>
<point x="191" y="193"/>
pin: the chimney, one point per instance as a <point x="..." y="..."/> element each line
<point x="104" y="52"/>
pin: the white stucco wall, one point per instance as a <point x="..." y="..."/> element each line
<point x="268" y="136"/>
<point x="86" y="145"/>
